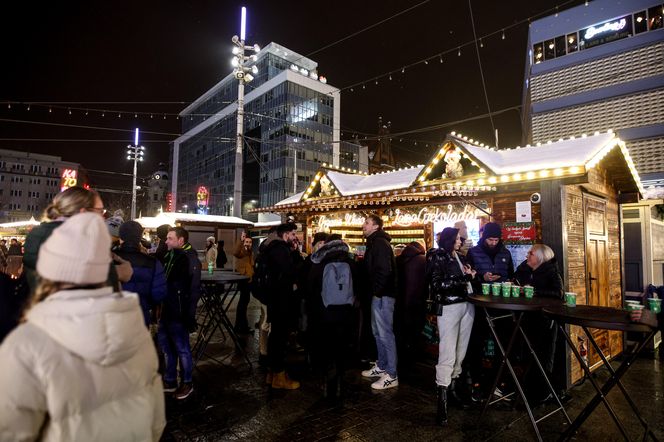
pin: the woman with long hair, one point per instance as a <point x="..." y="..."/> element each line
<point x="449" y="279"/>
<point x="81" y="366"/>
<point x="64" y="205"/>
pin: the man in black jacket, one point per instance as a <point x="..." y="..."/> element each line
<point x="183" y="281"/>
<point x="281" y="274"/>
<point x="380" y="270"/>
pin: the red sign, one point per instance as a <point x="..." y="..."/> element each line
<point x="519" y="232"/>
<point x="169" y="202"/>
<point x="69" y="179"/>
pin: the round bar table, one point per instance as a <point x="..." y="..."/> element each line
<point x="605" y="318"/>
<point x="516" y="308"/>
<point x="220" y="288"/>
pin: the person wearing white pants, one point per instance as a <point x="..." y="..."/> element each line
<point x="448" y="278"/>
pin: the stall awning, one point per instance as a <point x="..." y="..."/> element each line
<point x="15" y="224"/>
<point x="173" y="218"/>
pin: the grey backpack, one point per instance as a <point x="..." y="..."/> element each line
<point x="337" y="284"/>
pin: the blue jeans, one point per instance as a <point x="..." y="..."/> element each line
<point x="173" y="339"/>
<point x="382" y="320"/>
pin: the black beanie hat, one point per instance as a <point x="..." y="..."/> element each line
<point x="448" y="238"/>
<point x="318" y="237"/>
<point x="492" y="230"/>
<point x="131" y="232"/>
<point x="162" y="231"/>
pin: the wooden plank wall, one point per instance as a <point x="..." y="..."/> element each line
<point x="576" y="279"/>
<point x="504" y="210"/>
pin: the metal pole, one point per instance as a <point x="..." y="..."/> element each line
<point x="237" y="192"/>
<point x="133" y="187"/>
<point x="294" y="172"/>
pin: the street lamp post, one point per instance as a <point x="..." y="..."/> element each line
<point x="136" y="154"/>
<point x="243" y="73"/>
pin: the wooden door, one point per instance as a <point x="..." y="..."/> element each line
<point x="597" y="268"/>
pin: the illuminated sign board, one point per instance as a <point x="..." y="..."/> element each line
<point x="169" y="202"/>
<point x="202" y="196"/>
<point x="606" y="32"/>
<point x="68" y="179"/>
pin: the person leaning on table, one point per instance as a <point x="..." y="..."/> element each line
<point x="540" y="270"/>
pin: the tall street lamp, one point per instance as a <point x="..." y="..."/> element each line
<point x="243" y="73"/>
<point x="136" y="154"/>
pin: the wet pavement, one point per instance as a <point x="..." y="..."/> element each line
<point x="232" y="402"/>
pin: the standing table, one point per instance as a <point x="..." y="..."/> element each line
<point x="605" y="318"/>
<point x="219" y="291"/>
<point x="516" y="308"/>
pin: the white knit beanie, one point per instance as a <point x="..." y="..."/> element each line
<point x="77" y="252"/>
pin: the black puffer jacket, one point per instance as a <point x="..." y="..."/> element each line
<point x="447" y="282"/>
<point x="546" y="279"/>
<point x="380" y="265"/>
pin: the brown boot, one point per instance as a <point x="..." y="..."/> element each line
<point x="282" y="381"/>
<point x="268" y="378"/>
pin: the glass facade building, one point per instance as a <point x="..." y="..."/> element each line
<point x="291" y="127"/>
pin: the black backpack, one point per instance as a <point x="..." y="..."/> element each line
<point x="260" y="282"/>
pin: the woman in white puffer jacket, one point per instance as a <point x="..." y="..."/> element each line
<point x="82" y="366"/>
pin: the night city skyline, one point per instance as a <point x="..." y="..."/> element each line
<point x="82" y="65"/>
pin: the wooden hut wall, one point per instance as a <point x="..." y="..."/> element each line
<point x="599" y="186"/>
<point x="504" y="210"/>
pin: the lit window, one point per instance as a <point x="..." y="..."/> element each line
<point x="640" y="22"/>
<point x="572" y="43"/>
<point x="655" y="18"/>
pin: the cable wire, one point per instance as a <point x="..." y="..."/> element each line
<point x="479" y="63"/>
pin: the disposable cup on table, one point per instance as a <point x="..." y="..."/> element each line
<point x="507" y="289"/>
<point x="486" y="288"/>
<point x="655" y="305"/>
<point x="496" y="288"/>
<point x="529" y="291"/>
<point x="516" y="291"/>
<point x="570" y="299"/>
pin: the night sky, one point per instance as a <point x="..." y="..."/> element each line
<point x="155" y="57"/>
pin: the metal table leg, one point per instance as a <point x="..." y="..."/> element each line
<point x="603" y="391"/>
<point x="621" y="386"/>
<point x="505" y="353"/>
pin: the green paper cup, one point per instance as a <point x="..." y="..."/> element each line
<point x="655" y="305"/>
<point x="570" y="299"/>
<point x="486" y="288"/>
<point x="529" y="291"/>
<point x="507" y="289"/>
<point x="495" y="289"/>
<point x="516" y="291"/>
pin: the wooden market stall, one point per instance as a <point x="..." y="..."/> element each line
<point x="565" y="194"/>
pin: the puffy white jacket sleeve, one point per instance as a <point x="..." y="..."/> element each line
<point x="22" y="401"/>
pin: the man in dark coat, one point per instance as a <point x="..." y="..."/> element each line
<point x="381" y="274"/>
<point x="148" y="279"/>
<point x="282" y="274"/>
<point x="490" y="258"/>
<point x="183" y="280"/>
<point x="409" y="314"/>
<point x="333" y="326"/>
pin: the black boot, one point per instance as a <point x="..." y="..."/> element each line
<point x="441" y="414"/>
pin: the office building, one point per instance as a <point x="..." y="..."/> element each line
<point x="291" y="127"/>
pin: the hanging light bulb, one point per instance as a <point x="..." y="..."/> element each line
<point x="441" y="59"/>
<point x="426" y="61"/>
<point x="119" y="115"/>
<point x="351" y="89"/>
<point x="403" y="70"/>
<point x="69" y="110"/>
<point x="135" y="115"/>
<point x="481" y="43"/>
<point x="50" y="110"/>
<point x="28" y="107"/>
<point x="103" y="114"/>
<point x="459" y="52"/>
<point x="9" y="105"/>
<point x="376" y="81"/>
<point x="86" y="112"/>
<point x="503" y="35"/>
<point x="390" y="77"/>
<point x="364" y="87"/>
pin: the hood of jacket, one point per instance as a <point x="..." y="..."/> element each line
<point x="271" y="237"/>
<point x="379" y="234"/>
<point x="411" y="250"/>
<point x="329" y="249"/>
<point x="98" y="325"/>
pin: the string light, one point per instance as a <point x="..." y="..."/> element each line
<point x="502" y="37"/>
<point x="481" y="43"/>
<point x="459" y="52"/>
<point x="441" y="58"/>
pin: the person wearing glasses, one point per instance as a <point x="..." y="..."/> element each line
<point x="65" y="205"/>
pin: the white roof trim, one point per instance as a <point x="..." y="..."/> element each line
<point x="172" y="218"/>
<point x="291" y="199"/>
<point x="351" y="184"/>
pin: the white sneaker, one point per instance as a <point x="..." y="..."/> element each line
<point x="386" y="381"/>
<point x="373" y="372"/>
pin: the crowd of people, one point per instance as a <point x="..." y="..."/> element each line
<point x="98" y="304"/>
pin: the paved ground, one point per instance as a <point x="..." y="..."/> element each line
<point x="232" y="402"/>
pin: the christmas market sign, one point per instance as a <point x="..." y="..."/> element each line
<point x="519" y="233"/>
<point x="406" y="217"/>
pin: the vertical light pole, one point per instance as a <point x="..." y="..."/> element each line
<point x="243" y="74"/>
<point x="136" y="154"/>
